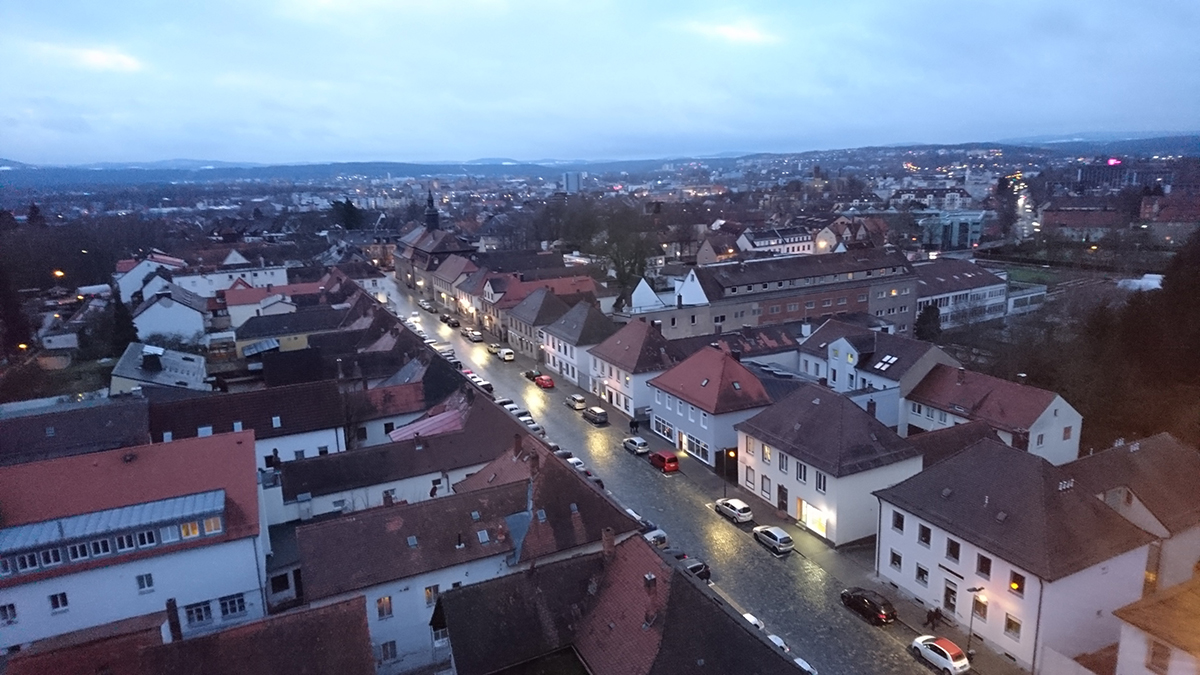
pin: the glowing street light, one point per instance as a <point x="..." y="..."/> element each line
<point x="58" y="274"/>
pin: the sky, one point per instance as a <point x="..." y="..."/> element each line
<point x="280" y="81"/>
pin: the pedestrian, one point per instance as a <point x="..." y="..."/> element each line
<point x="938" y="617"/>
<point x="930" y="617"/>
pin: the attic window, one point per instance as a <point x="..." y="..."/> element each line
<point x="412" y="541"/>
<point x="1001" y="516"/>
<point x="703" y="383"/>
<point x="946" y="492"/>
<point x="50" y="430"/>
<point x="574" y="507"/>
<point x="737" y="385"/>
<point x="483" y="536"/>
<point x="276" y="422"/>
<point x="541" y="515"/>
<point x="475" y="516"/>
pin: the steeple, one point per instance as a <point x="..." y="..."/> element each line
<point x="431" y="213"/>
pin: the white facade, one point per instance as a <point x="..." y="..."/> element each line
<point x="985" y="303"/>
<point x="1072" y="615"/>
<point x="209" y="283"/>
<point x="840" y="510"/>
<point x="299" y="446"/>
<point x="625" y="391"/>
<point x="693" y="430"/>
<point x="270" y="305"/>
<point x="1054" y="435"/>
<point x="1141" y="654"/>
<point x="170" y="318"/>
<point x="102" y="595"/>
<point x="567" y="359"/>
<point x="131" y="281"/>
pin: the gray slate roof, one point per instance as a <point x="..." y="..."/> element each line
<point x="820" y="427"/>
<point x="539" y="308"/>
<point x="1018" y="507"/>
<point x="171" y="369"/>
<point x="304" y="321"/>
<point x="584" y="324"/>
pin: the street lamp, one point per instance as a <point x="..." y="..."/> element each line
<point x="975" y="598"/>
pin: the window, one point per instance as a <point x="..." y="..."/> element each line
<point x="820" y="482"/>
<point x="983" y="566"/>
<point x="766" y="487"/>
<point x="389" y="427"/>
<point x="916" y="408"/>
<point x="1041" y="438"/>
<point x="58" y="602"/>
<point x="897" y="521"/>
<point x="146" y="538"/>
<point x="783" y="463"/>
<point x="77" y="551"/>
<point x="276" y="422"/>
<point x="204" y="431"/>
<point x="237" y="426"/>
<point x="383" y="606"/>
<point x="145" y="582"/>
<point x="862" y="297"/>
<point x="924" y="535"/>
<point x="125" y="542"/>
<point x="440" y="635"/>
<point x="828" y="302"/>
<point x="704" y="420"/>
<point x="1158" y="656"/>
<point x="896" y="560"/>
<point x="802" y="472"/>
<point x="842" y="300"/>
<point x="198" y="614"/>
<point x="750" y="478"/>
<point x="322" y="450"/>
<point x="168" y="534"/>
<point x="431" y="595"/>
<point x="811" y="304"/>
<point x="298" y="454"/>
<point x="979" y="607"/>
<point x="929" y="413"/>
<point x="766" y="454"/>
<point x="1066" y="433"/>
<point x="8" y="613"/>
<point x="774" y="309"/>
<point x="1012" y="627"/>
<point x="190" y="530"/>
<point x="952" y="550"/>
<point x="942" y="416"/>
<point x="1016" y="583"/>
<point x="793" y="306"/>
<point x="51" y="557"/>
<point x="387" y="651"/>
<point x="233" y="605"/>
<point x="360" y="433"/>
<point x="100" y="547"/>
<point x="922" y="576"/>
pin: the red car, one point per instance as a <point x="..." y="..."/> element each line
<point x="544" y="381"/>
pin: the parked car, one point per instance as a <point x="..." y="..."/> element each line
<point x="511" y="407"/>
<point x="576" y="463"/>
<point x="773" y="538"/>
<point x="474" y="336"/>
<point x="453" y="322"/>
<point x="485" y="385"/>
<point x="656" y="537"/>
<point x="430" y="341"/>
<point x="493" y="347"/>
<point x="698" y="569"/>
<point x="544" y="381"/>
<point x="563" y="454"/>
<point x="443" y="318"/>
<point x="735" y="509"/>
<point x="778" y="642"/>
<point x="445" y="351"/>
<point x="424" y="304"/>
<point x="644" y="525"/>
<point x="502" y="402"/>
<point x="414" y="316"/>
<point x="636" y="444"/>
<point x="575" y="402"/>
<point x="534" y="426"/>
<point x="532" y="374"/>
<point x="941" y="653"/>
<point x="596" y="415"/>
<point x="804" y="667"/>
<point x="507" y="355"/>
<point x="871" y="605"/>
<point x="595" y="479"/>
<point x="665" y="461"/>
<point x="754" y="621"/>
<point x="675" y="553"/>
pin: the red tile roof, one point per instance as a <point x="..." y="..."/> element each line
<point x="111" y="648"/>
<point x="1006" y="406"/>
<point x="638" y="347"/>
<point x="310" y="641"/>
<point x="124" y="266"/>
<point x="714" y="382"/>
<point x="252" y="296"/>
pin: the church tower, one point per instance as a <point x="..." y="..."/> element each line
<point x="431" y="213"/>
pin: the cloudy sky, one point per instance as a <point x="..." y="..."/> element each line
<point x="414" y="80"/>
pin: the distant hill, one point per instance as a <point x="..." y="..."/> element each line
<point x="1140" y="147"/>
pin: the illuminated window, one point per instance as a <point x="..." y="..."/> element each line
<point x="190" y="530"/>
<point x="212" y="525"/>
<point x="431" y="595"/>
<point x="1016" y="584"/>
<point x="766" y="454"/>
<point x="383" y="606"/>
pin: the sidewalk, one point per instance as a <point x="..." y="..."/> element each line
<point x="855" y="566"/>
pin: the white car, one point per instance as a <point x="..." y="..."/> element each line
<point x="778" y="642"/>
<point x="754" y="621"/>
<point x="943" y="654"/>
<point x="804" y="666"/>
<point x="511" y="407"/>
<point x="577" y="463"/>
<point x="773" y="538"/>
<point x="576" y="402"/>
<point x="735" y="509"/>
<point x="534" y="426"/>
<point x="414" y="316"/>
<point x="502" y="402"/>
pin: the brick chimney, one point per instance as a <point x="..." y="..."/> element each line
<point x="962" y="375"/>
<point x="535" y="463"/>
<point x="871" y="406"/>
<point x="173" y="621"/>
<point x="609" y="540"/>
<point x="516" y="450"/>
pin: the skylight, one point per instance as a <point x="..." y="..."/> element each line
<point x="737" y="385"/>
<point x="704" y="382"/>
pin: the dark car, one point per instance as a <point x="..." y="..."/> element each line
<point x="444" y="318"/>
<point x="452" y="322"/>
<point x="532" y="374"/>
<point x="697" y="569"/>
<point x="563" y="454"/>
<point x="675" y="553"/>
<point x="872" y="606"/>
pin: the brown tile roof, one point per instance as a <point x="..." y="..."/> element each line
<point x="112" y="648"/>
<point x="1162" y="472"/>
<point x="1007" y="406"/>
<point x="827" y="430"/>
<point x="750" y="341"/>
<point x="309" y="641"/>
<point x="1050" y="526"/>
<point x="69" y="486"/>
<point x="539" y="308"/>
<point x="301" y="408"/>
<point x="583" y="325"/>
<point x="486" y="434"/>
<point x="602" y="607"/>
<point x="454" y="267"/>
<point x="939" y="444"/>
<point x="1169" y="615"/>
<point x="252" y="296"/>
<point x="638" y="347"/>
<point x="74" y="428"/>
<point x="949" y="275"/>
<point x="713" y="381"/>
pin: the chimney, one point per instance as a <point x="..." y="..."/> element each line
<point x="871" y="407"/>
<point x="516" y="445"/>
<point x="678" y="301"/>
<point x="535" y="463"/>
<point x="1021" y="378"/>
<point x="269" y="287"/>
<point x="173" y="621"/>
<point x="736" y="354"/>
<point x="151" y="362"/>
<point x="609" y="540"/>
<point x="962" y="374"/>
<point x="651" y="583"/>
<point x="388" y="499"/>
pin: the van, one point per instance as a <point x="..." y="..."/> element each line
<point x="665" y="461"/>
<point x="596" y="415"/>
<point x="506" y="355"/>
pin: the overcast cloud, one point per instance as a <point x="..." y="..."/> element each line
<point x="413" y="80"/>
